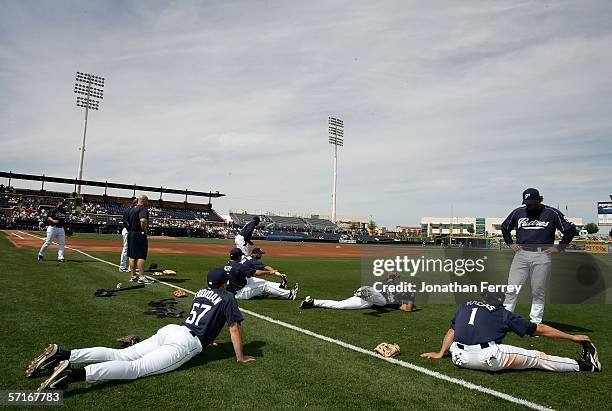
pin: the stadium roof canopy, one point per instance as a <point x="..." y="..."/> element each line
<point x="32" y="177"/>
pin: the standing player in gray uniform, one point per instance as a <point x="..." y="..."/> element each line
<point x="243" y="238"/>
<point x="535" y="225"/>
<point x="123" y="263"/>
<point x="172" y="346"/>
<point x="366" y="297"/>
<point x="475" y="336"/>
<point x="56" y="219"/>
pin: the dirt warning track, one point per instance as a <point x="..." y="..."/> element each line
<point x="285" y="249"/>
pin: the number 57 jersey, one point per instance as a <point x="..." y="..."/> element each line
<point x="211" y="309"/>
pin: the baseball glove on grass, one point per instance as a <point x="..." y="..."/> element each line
<point x="180" y="293"/>
<point x="387" y="349"/>
<point x="128" y="340"/>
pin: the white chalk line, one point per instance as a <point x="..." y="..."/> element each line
<point x="405" y="364"/>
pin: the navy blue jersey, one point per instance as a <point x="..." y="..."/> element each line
<point x="538" y="227"/>
<point x="57" y="214"/>
<point x="134" y="215"/>
<point x="210" y="310"/>
<point x="124" y="220"/>
<point x="237" y="275"/>
<point x="247" y="230"/>
<point x="253" y="264"/>
<point x="476" y="322"/>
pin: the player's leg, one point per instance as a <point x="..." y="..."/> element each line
<point x="60" y="236"/>
<point x="517" y="358"/>
<point x="177" y="346"/>
<point x="123" y="263"/>
<point x="519" y="271"/>
<point x="376" y="298"/>
<point x="47" y="242"/>
<point x="540" y="271"/>
<point x="102" y="354"/>
<point x="352" y="303"/>
<point x="253" y="288"/>
<point x="273" y="288"/>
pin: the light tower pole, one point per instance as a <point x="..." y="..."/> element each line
<point x="85" y="85"/>
<point x="336" y="137"/>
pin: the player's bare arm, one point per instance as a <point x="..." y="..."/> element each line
<point x="446" y="343"/>
<point x="551" y="332"/>
<point x="144" y="223"/>
<point x="236" y="337"/>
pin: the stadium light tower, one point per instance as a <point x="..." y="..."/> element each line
<point x="85" y="85"/>
<point x="336" y="137"/>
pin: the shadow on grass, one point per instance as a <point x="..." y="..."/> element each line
<point x="171" y="280"/>
<point x="209" y="354"/>
<point x="568" y="327"/>
<point x="377" y="311"/>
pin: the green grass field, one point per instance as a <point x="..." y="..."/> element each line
<point x="48" y="301"/>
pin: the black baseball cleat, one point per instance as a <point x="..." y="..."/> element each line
<point x="293" y="292"/>
<point x="49" y="358"/>
<point x="40" y="257"/>
<point x="590" y="355"/>
<point x="61" y="260"/>
<point x="60" y="378"/>
<point x="307" y="303"/>
<point x="283" y="283"/>
<point x="134" y="279"/>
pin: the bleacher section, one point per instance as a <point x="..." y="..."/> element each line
<point x="274" y="223"/>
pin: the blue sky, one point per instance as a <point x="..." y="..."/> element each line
<point x="462" y="103"/>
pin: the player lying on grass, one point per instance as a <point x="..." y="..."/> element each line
<point x="244" y="281"/>
<point x="366" y="297"/>
<point x="475" y="336"/>
<point x="172" y="345"/>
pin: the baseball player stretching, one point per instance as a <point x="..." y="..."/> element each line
<point x="366" y="297"/>
<point x="475" y="336"/>
<point x="172" y="346"/>
<point x="56" y="219"/>
<point x="243" y="239"/>
<point x="535" y="225"/>
<point x="243" y="281"/>
<point x="123" y="263"/>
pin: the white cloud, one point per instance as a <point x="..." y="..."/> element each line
<point x="447" y="102"/>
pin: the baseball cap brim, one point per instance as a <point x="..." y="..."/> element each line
<point x="530" y="202"/>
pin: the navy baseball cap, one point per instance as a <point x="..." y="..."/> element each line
<point x="236" y="252"/>
<point x="531" y="196"/>
<point x="257" y="251"/>
<point x="493" y="297"/>
<point x="216" y="276"/>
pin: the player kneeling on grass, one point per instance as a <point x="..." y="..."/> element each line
<point x="474" y="340"/>
<point x="172" y="345"/>
<point x="244" y="281"/>
<point x="366" y="297"/>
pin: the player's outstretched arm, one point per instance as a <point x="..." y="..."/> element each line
<point x="234" y="329"/>
<point x="551" y="332"/>
<point x="446" y="343"/>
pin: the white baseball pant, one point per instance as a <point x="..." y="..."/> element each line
<point x="258" y="286"/>
<point x="240" y="243"/>
<point x="354" y="303"/>
<point x="57" y="234"/>
<point x="171" y="347"/>
<point x="498" y="357"/>
<point x="123" y="263"/>
<point x="536" y="264"/>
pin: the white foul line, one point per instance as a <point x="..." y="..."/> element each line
<point x="414" y="367"/>
<point x="18" y="236"/>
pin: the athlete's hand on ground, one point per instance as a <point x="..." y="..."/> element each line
<point x="551" y="250"/>
<point x="581" y="338"/>
<point x="515" y="247"/>
<point x="246" y="359"/>
<point x="432" y="355"/>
